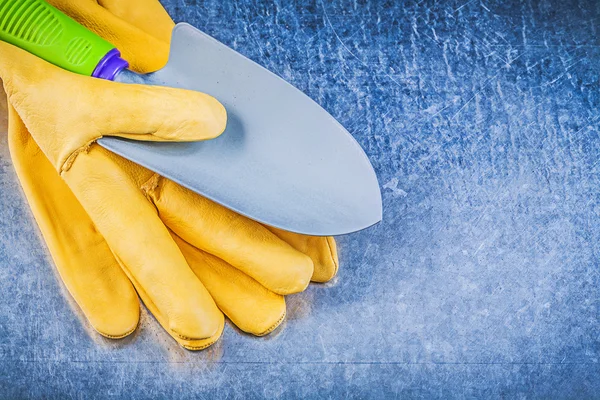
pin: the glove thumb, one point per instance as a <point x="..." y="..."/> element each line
<point x="79" y="110"/>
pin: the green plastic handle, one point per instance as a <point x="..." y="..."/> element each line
<point x="44" y="31"/>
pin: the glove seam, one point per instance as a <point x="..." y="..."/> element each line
<point x="274" y="326"/>
<point x="149" y="188"/>
<point x="189" y="338"/>
<point x="196" y="348"/>
<point x="68" y="163"/>
<point x="119" y="336"/>
<point x="336" y="264"/>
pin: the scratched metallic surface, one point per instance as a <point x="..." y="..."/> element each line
<point x="482" y="120"/>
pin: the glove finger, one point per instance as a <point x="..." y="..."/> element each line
<point x="85" y="108"/>
<point x="248" y="304"/>
<point x="82" y="257"/>
<point x="321" y="250"/>
<point x="163" y="320"/>
<point x="147" y="15"/>
<point x="237" y="240"/>
<point x="142" y="243"/>
<point x="144" y="52"/>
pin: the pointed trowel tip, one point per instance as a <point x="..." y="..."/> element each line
<point x="359" y="208"/>
<point x="366" y="211"/>
<point x="371" y="214"/>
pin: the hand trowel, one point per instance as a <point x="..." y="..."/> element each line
<point x="282" y="160"/>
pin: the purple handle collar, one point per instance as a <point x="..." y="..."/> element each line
<point x="110" y="65"/>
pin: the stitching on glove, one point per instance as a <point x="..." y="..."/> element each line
<point x="195" y="348"/>
<point x="119" y="336"/>
<point x="275" y="326"/>
<point x="188" y="338"/>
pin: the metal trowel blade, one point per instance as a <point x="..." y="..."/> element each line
<point x="282" y="160"/>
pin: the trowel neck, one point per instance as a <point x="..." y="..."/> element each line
<point x="110" y="65"/>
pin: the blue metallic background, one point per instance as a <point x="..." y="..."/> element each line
<point x="482" y="120"/>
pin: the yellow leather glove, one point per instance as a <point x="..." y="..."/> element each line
<point x="134" y="234"/>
